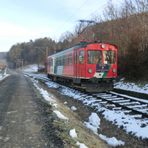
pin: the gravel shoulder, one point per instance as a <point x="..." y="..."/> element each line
<point x="25" y="119"/>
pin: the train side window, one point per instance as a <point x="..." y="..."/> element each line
<point x="81" y="56"/>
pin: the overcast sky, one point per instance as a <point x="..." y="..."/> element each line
<point x="23" y="20"/>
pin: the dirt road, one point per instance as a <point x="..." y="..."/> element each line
<point x="25" y="121"/>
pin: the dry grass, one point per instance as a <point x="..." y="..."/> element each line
<point x="84" y="135"/>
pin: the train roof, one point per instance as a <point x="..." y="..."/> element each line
<point x="79" y="45"/>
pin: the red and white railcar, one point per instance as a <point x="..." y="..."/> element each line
<point x="89" y="65"/>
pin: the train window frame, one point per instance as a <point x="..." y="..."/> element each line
<point x="81" y="56"/>
<point x="109" y="56"/>
<point x="93" y="58"/>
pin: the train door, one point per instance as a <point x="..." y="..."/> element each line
<point x="75" y="63"/>
<point x="81" y="63"/>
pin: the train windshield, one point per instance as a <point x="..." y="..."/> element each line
<point x="94" y="57"/>
<point x="109" y="56"/>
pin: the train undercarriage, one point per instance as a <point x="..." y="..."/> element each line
<point x="88" y="85"/>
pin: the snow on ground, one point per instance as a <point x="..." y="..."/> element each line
<point x="137" y="127"/>
<point x="81" y="145"/>
<point x="134" y="98"/>
<point x="111" y="141"/>
<point x="65" y="102"/>
<point x="131" y="125"/>
<point x="73" y="108"/>
<point x="3" y="74"/>
<point x="94" y="124"/>
<point x="51" y="100"/>
<point x="48" y="97"/>
<point x="73" y="133"/>
<point x="60" y="115"/>
<point x="52" y="85"/>
<point x="131" y="87"/>
<point x="31" y="68"/>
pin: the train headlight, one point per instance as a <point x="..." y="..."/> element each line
<point x="103" y="45"/>
<point x="90" y="70"/>
<point x="114" y="70"/>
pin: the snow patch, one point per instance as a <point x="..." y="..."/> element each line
<point x="131" y="87"/>
<point x="93" y="123"/>
<point x="73" y="108"/>
<point x="81" y="145"/>
<point x="111" y="141"/>
<point x="128" y="123"/>
<point x="52" y="85"/>
<point x="60" y="115"/>
<point x="73" y="133"/>
<point x="55" y="105"/>
<point x="65" y="102"/>
<point x="31" y="68"/>
<point x="45" y="94"/>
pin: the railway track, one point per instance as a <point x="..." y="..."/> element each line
<point x="136" y="107"/>
<point x="128" y="105"/>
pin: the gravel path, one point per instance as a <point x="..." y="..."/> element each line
<point x="25" y="120"/>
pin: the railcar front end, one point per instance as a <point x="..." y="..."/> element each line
<point x="100" y="62"/>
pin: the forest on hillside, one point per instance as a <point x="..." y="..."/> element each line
<point x="126" y="26"/>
